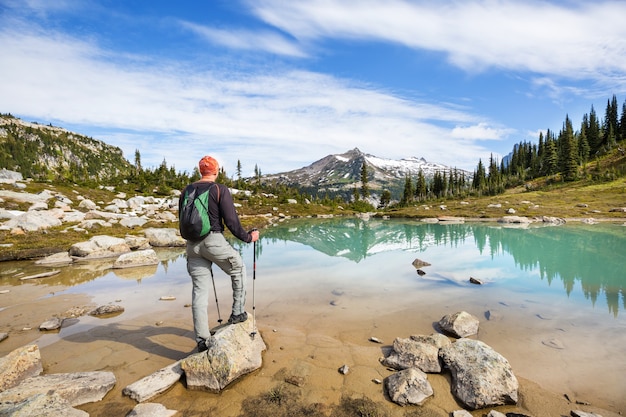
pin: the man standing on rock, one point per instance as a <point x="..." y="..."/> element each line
<point x="214" y="248"/>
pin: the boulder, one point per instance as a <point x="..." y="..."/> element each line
<point x="106" y="310"/>
<point x="87" y="204"/>
<point x="138" y="258"/>
<point x="481" y="377"/>
<point x="164" y="237"/>
<point x="409" y="386"/>
<point x="233" y="352"/>
<point x="514" y="219"/>
<point x="18" y="365"/>
<point x="131" y="222"/>
<point x="420" y="352"/>
<point x="461" y="324"/>
<point x="552" y="220"/>
<point x="99" y="247"/>
<point x="32" y="221"/>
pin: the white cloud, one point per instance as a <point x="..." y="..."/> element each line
<point x="576" y="40"/>
<point x="481" y="131"/>
<point x="280" y="121"/>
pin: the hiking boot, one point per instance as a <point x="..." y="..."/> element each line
<point x="203" y="345"/>
<point x="238" y="318"/>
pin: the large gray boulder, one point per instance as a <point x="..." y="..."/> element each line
<point x="461" y="324"/>
<point x="138" y="258"/>
<point x="232" y="353"/>
<point x="99" y="247"/>
<point x="18" y="365"/>
<point x="420" y="352"/>
<point x="409" y="386"/>
<point x="32" y="221"/>
<point x="164" y="237"/>
<point x="481" y="377"/>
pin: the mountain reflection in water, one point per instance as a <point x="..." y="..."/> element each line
<point x="592" y="255"/>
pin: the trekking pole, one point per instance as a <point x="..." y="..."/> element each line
<point x="219" y="316"/>
<point x="253" y="281"/>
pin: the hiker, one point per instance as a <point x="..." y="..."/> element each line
<point x="214" y="248"/>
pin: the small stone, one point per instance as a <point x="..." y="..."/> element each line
<point x="375" y="340"/>
<point x="421" y="273"/>
<point x="344" y="369"/>
<point x="475" y="281"/>
<point x="105" y="310"/>
<point x="54" y="323"/>
<point x="377" y="381"/>
<point x="167" y="298"/>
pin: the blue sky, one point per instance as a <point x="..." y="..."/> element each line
<point x="280" y="84"/>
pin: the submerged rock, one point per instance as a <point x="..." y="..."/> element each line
<point x="154" y="384"/>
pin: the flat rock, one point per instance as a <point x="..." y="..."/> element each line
<point x="76" y="388"/>
<point x="164" y="237"/>
<point x="420" y="352"/>
<point x="151" y="410"/>
<point x="154" y="384"/>
<point x="50" y="404"/>
<point x="101" y="246"/>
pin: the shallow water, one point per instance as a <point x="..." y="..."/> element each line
<point x="552" y="301"/>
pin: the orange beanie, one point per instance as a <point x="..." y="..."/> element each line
<point x="208" y="165"/>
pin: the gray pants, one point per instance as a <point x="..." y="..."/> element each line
<point x="200" y="258"/>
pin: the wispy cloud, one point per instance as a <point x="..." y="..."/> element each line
<point x="578" y="40"/>
<point x="279" y="119"/>
<point x="261" y="41"/>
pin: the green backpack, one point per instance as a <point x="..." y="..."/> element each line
<point x="193" y="217"/>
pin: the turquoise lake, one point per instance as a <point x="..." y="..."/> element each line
<point x="553" y="298"/>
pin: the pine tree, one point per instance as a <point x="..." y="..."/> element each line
<point x="622" y="124"/>
<point x="568" y="162"/>
<point x="550" y="159"/>
<point x="593" y="132"/>
<point x="420" y="186"/>
<point x="365" y="192"/>
<point x="583" y="144"/>
<point x="407" y="194"/>
<point x="480" y="178"/>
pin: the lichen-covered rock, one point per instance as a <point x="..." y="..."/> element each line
<point x="409" y="386"/>
<point x="420" y="352"/>
<point x="233" y="352"/>
<point x="481" y="377"/>
<point x="18" y="365"/>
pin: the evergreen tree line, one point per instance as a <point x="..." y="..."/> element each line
<point x="559" y="155"/>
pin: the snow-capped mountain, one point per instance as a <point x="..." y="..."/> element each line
<point x="340" y="173"/>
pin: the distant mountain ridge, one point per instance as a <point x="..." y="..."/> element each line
<point x="339" y="173"/>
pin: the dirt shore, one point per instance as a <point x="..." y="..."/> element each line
<point x="310" y="343"/>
